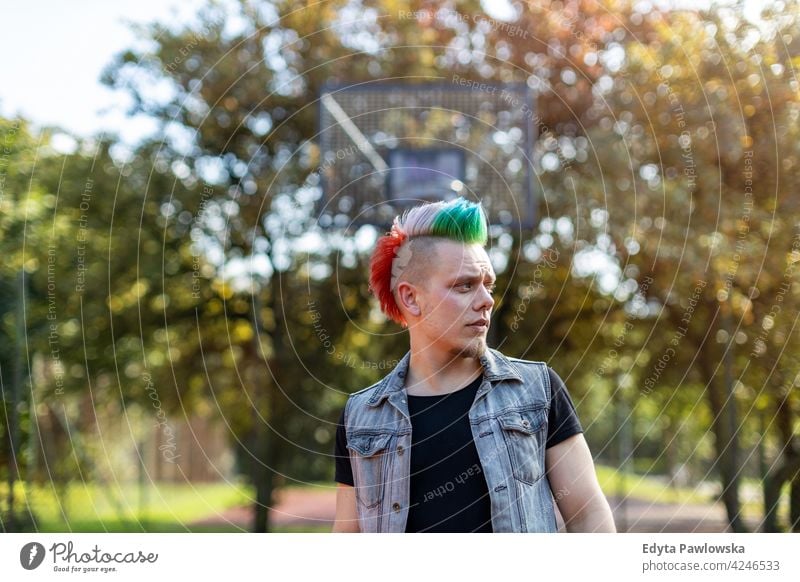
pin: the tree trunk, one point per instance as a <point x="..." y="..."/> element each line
<point x="786" y="465"/>
<point x="794" y="500"/>
<point x="725" y="442"/>
<point x="265" y="448"/>
<point x="787" y="471"/>
<point x="263" y="477"/>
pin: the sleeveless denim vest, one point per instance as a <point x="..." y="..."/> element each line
<point x="508" y="419"/>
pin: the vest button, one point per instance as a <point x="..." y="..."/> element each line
<point x="525" y="423"/>
<point x="396" y="506"/>
<point x="400" y="450"/>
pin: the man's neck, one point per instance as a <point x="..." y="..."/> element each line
<point x="431" y="373"/>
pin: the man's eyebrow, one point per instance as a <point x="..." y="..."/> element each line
<point x="473" y="277"/>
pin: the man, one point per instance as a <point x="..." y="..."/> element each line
<point x="458" y="437"/>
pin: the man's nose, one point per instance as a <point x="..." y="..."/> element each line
<point x="485" y="300"/>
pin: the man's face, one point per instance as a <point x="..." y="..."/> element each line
<point x="457" y="293"/>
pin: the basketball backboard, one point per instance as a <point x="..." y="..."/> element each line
<point x="385" y="146"/>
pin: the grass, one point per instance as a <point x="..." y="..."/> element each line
<point x="167" y="507"/>
<point x="646" y="488"/>
<point x="162" y="507"/>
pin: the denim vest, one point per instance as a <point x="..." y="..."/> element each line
<point x="508" y="419"/>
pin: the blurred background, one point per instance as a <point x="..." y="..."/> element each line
<point x="180" y="328"/>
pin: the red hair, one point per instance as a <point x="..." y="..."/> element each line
<point x="458" y="220"/>
<point x="381" y="272"/>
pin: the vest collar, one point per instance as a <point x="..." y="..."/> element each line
<point x="496" y="367"/>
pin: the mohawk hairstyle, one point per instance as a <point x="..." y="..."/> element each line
<point x="458" y="220"/>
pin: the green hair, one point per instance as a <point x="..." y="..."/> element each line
<point x="459" y="220"/>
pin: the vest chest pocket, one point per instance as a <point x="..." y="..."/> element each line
<point x="369" y="456"/>
<point x="525" y="433"/>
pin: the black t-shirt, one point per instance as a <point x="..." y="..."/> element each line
<point x="448" y="491"/>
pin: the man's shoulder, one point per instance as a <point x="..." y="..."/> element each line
<point x="368" y="390"/>
<point x="529" y="362"/>
<point x="360" y="398"/>
<point x="371" y="388"/>
<point x="522" y="361"/>
<point x="536" y="371"/>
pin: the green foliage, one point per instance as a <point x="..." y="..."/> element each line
<point x="667" y="154"/>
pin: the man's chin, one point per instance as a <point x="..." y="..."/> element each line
<point x="474" y="349"/>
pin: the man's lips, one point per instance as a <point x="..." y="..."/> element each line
<point x="481" y="323"/>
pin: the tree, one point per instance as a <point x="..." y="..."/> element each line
<point x="697" y="169"/>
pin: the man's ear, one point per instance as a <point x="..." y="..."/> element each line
<point x="408" y="298"/>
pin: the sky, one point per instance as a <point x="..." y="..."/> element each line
<point x="54" y="52"/>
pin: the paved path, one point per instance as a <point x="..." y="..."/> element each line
<point x="307" y="508"/>
<point x="646" y="517"/>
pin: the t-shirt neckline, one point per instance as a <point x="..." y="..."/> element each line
<point x="467" y="387"/>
